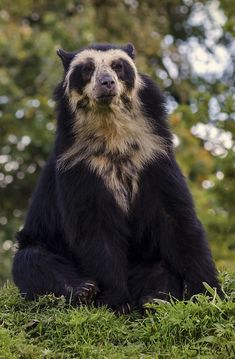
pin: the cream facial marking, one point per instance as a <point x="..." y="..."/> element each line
<point x="102" y="62"/>
<point x="101" y="57"/>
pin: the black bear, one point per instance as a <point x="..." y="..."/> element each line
<point x="111" y="220"/>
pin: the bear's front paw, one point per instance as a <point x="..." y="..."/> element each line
<point x="193" y="288"/>
<point x="125" y="308"/>
<point x="85" y="293"/>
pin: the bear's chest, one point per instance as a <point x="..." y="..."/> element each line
<point x="117" y="149"/>
<point x="120" y="174"/>
<point x="120" y="161"/>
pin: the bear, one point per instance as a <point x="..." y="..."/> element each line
<point x="111" y="221"/>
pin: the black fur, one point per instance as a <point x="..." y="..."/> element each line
<point x="129" y="48"/>
<point x="124" y="72"/>
<point x="80" y="76"/>
<point x="75" y="232"/>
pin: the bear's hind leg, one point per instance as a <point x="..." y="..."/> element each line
<point x="153" y="281"/>
<point x="37" y="271"/>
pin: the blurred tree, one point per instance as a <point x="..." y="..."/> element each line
<point x="187" y="46"/>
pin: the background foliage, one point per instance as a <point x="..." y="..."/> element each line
<point x="187" y="46"/>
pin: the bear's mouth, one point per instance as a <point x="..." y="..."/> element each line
<point x="105" y="99"/>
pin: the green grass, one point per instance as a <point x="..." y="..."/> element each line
<point x="50" y="328"/>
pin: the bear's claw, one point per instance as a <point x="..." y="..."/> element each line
<point x="85" y="292"/>
<point x="124" y="308"/>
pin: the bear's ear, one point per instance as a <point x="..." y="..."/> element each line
<point x="66" y="57"/>
<point x="130" y="50"/>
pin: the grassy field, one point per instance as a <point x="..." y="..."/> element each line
<point x="50" y="328"/>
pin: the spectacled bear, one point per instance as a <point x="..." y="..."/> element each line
<point x="111" y="220"/>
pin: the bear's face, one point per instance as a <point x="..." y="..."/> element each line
<point x="99" y="78"/>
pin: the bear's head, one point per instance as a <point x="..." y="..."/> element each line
<point x="100" y="76"/>
<point x="106" y="112"/>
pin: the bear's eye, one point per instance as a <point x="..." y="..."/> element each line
<point x="117" y="66"/>
<point x="88" y="68"/>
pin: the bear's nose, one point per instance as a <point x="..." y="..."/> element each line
<point x="107" y="82"/>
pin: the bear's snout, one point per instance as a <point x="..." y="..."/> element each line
<point x="106" y="88"/>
